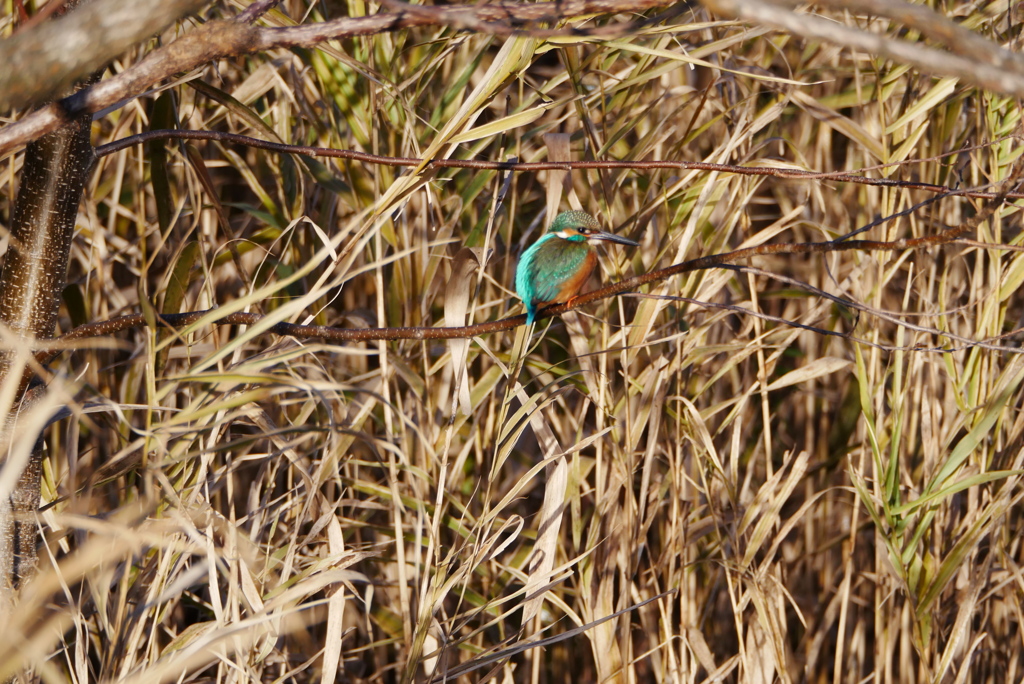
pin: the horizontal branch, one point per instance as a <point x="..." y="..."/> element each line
<point x="224" y="39"/>
<point x="798" y="174"/>
<point x="335" y="334"/>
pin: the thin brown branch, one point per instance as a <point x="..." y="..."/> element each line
<point x="459" y="18"/>
<point x="222" y="39"/>
<point x="676" y="165"/>
<point x="895" y="317"/>
<point x="48" y="10"/>
<point x="503" y="654"/>
<point x="333" y="334"/>
<point x="495" y="17"/>
<point x="257" y="10"/>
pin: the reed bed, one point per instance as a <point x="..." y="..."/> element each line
<point x="726" y="476"/>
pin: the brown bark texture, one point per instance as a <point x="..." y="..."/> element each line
<point x="43" y="61"/>
<point x="31" y="283"/>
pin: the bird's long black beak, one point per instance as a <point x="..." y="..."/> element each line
<point x="612" y="237"/>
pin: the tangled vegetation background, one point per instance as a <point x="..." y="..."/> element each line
<point x="795" y="467"/>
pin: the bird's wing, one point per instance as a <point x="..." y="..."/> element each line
<point x="570" y="264"/>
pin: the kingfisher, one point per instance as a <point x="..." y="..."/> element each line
<point x="555" y="268"/>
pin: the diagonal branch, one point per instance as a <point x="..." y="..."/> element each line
<point x="939" y="28"/>
<point x="1006" y="76"/>
<point x="222" y="39"/>
<point x="43" y="62"/>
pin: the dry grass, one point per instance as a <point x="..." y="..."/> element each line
<point x="240" y="507"/>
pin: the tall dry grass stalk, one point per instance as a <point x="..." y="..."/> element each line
<point x="226" y="505"/>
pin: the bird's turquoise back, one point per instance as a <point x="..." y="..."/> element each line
<point x="550" y="267"/>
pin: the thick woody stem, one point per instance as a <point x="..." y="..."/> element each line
<point x="35" y="268"/>
<point x="31" y="283"/>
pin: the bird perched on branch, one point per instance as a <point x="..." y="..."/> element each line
<point x="556" y="267"/>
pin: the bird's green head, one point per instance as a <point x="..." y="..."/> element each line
<point x="579" y="226"/>
<point x="575" y="226"/>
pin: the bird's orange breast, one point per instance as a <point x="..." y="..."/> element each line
<point x="573" y="282"/>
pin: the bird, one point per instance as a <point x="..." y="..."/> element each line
<point x="556" y="267"/>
